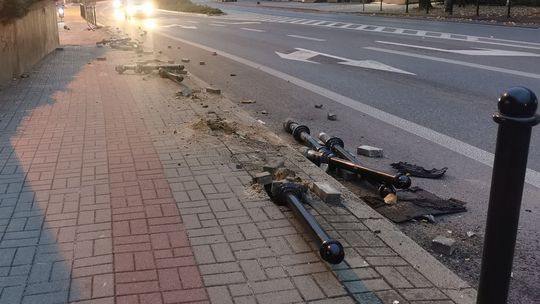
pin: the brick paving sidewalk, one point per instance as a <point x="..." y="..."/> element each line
<point x="107" y="196"/>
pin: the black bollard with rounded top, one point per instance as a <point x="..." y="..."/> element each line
<point x="516" y="117"/>
<point x="290" y="194"/>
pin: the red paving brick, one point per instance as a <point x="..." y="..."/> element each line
<point x="145" y="219"/>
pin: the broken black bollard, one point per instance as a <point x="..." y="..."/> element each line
<point x="399" y="181"/>
<point x="148" y="68"/>
<point x="172" y="76"/>
<point x="291" y="194"/>
<point x="516" y="117"/>
<point x="126" y="67"/>
<point x="337" y="146"/>
<point x="302" y="134"/>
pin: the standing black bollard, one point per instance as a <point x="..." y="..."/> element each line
<point x="516" y="117"/>
<point x="290" y="194"/>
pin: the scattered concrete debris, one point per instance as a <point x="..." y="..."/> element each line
<point x="248" y="101"/>
<point x="284" y="174"/>
<point x="202" y="63"/>
<point x="185" y="59"/>
<point x="318" y="106"/>
<point x="369" y="151"/>
<point x="413" y="203"/>
<point x="214" y="53"/>
<point x="263" y="178"/>
<point x="232" y="75"/>
<point x="332" y="116"/>
<point x="101" y="58"/>
<point x="59" y="48"/>
<point x="418" y="171"/>
<point x="25" y="75"/>
<point x="168" y="46"/>
<point x="213" y="90"/>
<point x="264" y="112"/>
<point x="470" y="233"/>
<point x="261" y="122"/>
<point x="67" y="28"/>
<point x="443" y="245"/>
<point x="326" y="193"/>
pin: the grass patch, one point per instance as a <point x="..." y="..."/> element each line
<point x="187" y="6"/>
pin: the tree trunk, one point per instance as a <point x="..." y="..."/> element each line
<point x="422" y="4"/>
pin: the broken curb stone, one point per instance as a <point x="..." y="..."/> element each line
<point x="249" y="101"/>
<point x="185" y="60"/>
<point x="202" y="63"/>
<point x="263" y="178"/>
<point x="326" y="193"/>
<point x="369" y="151"/>
<point x="443" y="245"/>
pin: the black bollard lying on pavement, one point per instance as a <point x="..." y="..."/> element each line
<point x="516" y="117"/>
<point x="285" y="193"/>
<point x="399" y="181"/>
<point x="302" y="134"/>
<point x="148" y="68"/>
<point x="126" y="67"/>
<point x="172" y="76"/>
<point x="322" y="154"/>
<point x="337" y="146"/>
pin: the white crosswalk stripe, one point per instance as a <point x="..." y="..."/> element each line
<point x="384" y="29"/>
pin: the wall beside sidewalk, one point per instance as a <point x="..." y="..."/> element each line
<point x="24" y="41"/>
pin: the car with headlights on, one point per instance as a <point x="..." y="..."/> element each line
<point x="135" y="8"/>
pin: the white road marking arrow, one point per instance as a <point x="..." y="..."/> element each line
<point x="477" y="52"/>
<point x="304" y="55"/>
<point x="179" y="25"/>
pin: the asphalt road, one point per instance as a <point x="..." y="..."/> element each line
<point x="422" y="90"/>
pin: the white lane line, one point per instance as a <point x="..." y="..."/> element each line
<point x="319" y="23"/>
<point x="480" y="52"/>
<point x="457" y="62"/>
<point x="214" y="24"/>
<point x="307" y="38"/>
<point x="238" y="23"/>
<point x="252" y="30"/>
<point x="532" y="177"/>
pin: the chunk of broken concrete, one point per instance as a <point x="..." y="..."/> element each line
<point x="326" y="193"/>
<point x="443" y="245"/>
<point x="369" y="151"/>
<point x="263" y="178"/>
<point x="332" y="116"/>
<point x="185" y="59"/>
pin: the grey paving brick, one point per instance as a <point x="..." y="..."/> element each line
<point x="392" y="276"/>
<point x="253" y="270"/>
<point x="219" y="295"/>
<point x="308" y="288"/>
<point x="285" y="296"/>
<point x="223" y="279"/>
<point x="242" y="289"/>
<point x="222" y="252"/>
<point x="367" y="298"/>
<point x="413" y="276"/>
<point x="219" y="268"/>
<point x="11" y="295"/>
<point x="7" y="256"/>
<point x="416" y="294"/>
<point x="329" y="284"/>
